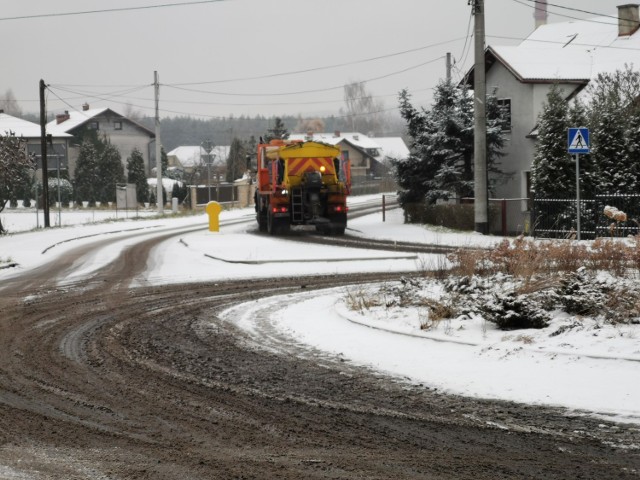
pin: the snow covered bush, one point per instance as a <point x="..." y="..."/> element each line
<point x="510" y="311"/>
<point x="16" y="169"/>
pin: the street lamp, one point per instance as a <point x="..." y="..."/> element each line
<point x="207" y="146"/>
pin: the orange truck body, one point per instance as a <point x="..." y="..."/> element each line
<point x="301" y="183"/>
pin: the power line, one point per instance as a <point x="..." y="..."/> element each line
<point x="177" y="112"/>
<point x="110" y="10"/>
<point x="536" y="7"/>
<point x="574" y="10"/>
<point x="84" y="95"/>
<point x="326" y="67"/>
<point x="303" y="91"/>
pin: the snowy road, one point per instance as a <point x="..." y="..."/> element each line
<point x="214" y="389"/>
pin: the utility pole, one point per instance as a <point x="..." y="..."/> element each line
<point x="43" y="156"/>
<point x="480" y="177"/>
<point x="159" y="199"/>
<point x="448" y="67"/>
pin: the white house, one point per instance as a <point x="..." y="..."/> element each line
<point x="56" y="150"/>
<point x="570" y="54"/>
<point x="369" y="156"/>
<point x="122" y="132"/>
<point x="191" y="157"/>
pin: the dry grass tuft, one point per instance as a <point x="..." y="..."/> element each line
<point x="527" y="259"/>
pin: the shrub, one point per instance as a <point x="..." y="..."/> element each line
<point x="455" y="216"/>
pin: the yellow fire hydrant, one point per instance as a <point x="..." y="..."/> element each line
<point x="213" y="209"/>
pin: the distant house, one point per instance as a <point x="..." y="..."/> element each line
<point x="190" y="159"/>
<point x="369" y="156"/>
<point x="122" y="132"/>
<point x="570" y="54"/>
<point x="56" y="151"/>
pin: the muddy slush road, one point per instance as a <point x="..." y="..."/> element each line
<point x="101" y="381"/>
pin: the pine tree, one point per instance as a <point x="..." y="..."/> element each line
<point x="414" y="173"/>
<point x="137" y="176"/>
<point x="111" y="173"/>
<point x="553" y="170"/>
<point x="164" y="161"/>
<point x="577" y="117"/>
<point x="612" y="111"/>
<point x="441" y="161"/>
<point x="633" y="152"/>
<point x="86" y="174"/>
<point x="278" y="131"/>
<point x="236" y="161"/>
<point x="16" y="169"/>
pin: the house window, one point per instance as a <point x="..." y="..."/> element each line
<point x="117" y="125"/>
<point x="94" y="126"/>
<point x="504" y="104"/>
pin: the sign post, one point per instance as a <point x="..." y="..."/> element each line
<point x="578" y="143"/>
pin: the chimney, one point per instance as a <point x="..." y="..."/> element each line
<point x="85" y="107"/>
<point x="336" y="133"/>
<point x="1" y="110"/>
<point x="540" y="13"/>
<point x="628" y="19"/>
<point x="62" y="117"/>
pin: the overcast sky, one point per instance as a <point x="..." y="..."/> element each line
<point x="205" y="52"/>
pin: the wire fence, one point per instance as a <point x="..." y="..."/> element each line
<point x="557" y="217"/>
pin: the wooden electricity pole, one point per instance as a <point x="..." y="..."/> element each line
<point x="159" y="197"/>
<point x="43" y="156"/>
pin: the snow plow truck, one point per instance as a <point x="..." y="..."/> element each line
<point x="301" y="183"/>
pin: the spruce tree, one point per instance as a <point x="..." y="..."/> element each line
<point x="442" y="144"/>
<point x="164" y="161"/>
<point x="87" y="177"/>
<point x="414" y="173"/>
<point x="632" y="152"/>
<point x="278" y="131"/>
<point x="137" y="176"/>
<point x="553" y="171"/>
<point x="16" y="169"/>
<point x="612" y="111"/>
<point x="111" y="172"/>
<point x="236" y="161"/>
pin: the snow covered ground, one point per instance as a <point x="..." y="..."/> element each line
<point x="589" y="368"/>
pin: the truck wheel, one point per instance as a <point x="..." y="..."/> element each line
<point x="278" y="226"/>
<point x="262" y="222"/>
<point x="271" y="224"/>
<point x="338" y="224"/>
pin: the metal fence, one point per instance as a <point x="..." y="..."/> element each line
<point x="222" y="193"/>
<point x="556" y="218"/>
<point x="367" y="186"/>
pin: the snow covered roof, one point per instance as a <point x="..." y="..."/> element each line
<point x="22" y="128"/>
<point x="77" y="118"/>
<point x="354" y="138"/>
<point x="575" y="51"/>
<point x="392" y="147"/>
<point x="193" y="155"/>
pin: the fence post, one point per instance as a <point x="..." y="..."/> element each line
<point x="532" y="218"/>
<point x="383" y="209"/>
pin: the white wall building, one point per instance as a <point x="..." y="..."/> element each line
<point x="570" y="54"/>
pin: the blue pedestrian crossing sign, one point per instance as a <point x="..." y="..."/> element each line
<point x="578" y="140"/>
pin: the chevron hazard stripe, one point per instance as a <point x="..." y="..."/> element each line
<point x="298" y="166"/>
